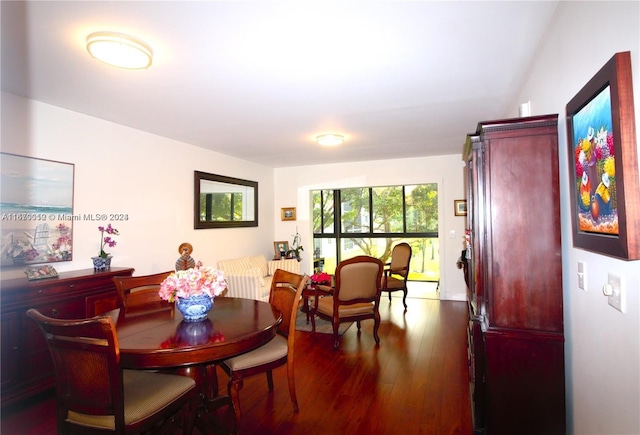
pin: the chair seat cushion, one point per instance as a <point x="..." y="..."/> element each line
<point x="393" y="283"/>
<point x="272" y="351"/>
<point x="325" y="306"/>
<point x="145" y="393"/>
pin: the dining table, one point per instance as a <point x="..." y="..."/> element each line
<point x="156" y="337"/>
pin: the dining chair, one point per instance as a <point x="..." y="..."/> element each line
<point x="134" y="291"/>
<point x="356" y="296"/>
<point x="285" y="295"/>
<point x="396" y="272"/>
<point x="95" y="395"/>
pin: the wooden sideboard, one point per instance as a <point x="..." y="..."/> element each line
<point x="25" y="362"/>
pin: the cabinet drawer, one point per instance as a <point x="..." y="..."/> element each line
<point x="66" y="288"/>
<point x="30" y="334"/>
<point x="68" y="309"/>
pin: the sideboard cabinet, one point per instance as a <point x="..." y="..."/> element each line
<point x="516" y="334"/>
<point x="25" y="361"/>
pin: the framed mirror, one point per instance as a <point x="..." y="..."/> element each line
<point x="224" y="202"/>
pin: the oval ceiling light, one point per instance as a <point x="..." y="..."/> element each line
<point x="330" y="139"/>
<point x="119" y="50"/>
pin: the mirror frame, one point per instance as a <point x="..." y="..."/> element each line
<point x="200" y="176"/>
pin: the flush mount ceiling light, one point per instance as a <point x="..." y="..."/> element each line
<point x="119" y="50"/>
<point x="330" y="139"/>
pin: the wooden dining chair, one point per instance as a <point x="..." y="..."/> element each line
<point x="285" y="295"/>
<point x="396" y="272"/>
<point x="95" y="395"/>
<point x="134" y="291"/>
<point x="356" y="296"/>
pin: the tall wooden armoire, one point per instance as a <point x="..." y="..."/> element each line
<point x="516" y="336"/>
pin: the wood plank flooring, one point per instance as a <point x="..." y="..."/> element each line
<point x="415" y="382"/>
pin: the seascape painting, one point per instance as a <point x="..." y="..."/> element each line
<point x="36" y="208"/>
<point x="594" y="163"/>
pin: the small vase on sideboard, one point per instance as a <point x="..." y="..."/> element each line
<point x="101" y="263"/>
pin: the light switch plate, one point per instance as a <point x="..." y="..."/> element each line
<point x="582" y="275"/>
<point x="617" y="298"/>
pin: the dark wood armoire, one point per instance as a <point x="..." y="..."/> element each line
<point x="516" y="337"/>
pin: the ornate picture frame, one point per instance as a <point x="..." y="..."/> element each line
<point x="603" y="163"/>
<point x="288" y="214"/>
<point x="460" y="207"/>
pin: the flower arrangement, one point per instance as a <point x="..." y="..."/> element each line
<point x="196" y="281"/>
<point x="21" y="249"/>
<point x="106" y="241"/>
<point x="594" y="160"/>
<point x="61" y="248"/>
<point x="321" y="278"/>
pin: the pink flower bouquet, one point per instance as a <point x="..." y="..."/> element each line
<point x="321" y="278"/>
<point x="197" y="281"/>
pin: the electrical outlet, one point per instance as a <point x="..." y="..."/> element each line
<point x="617" y="297"/>
<point x="582" y="275"/>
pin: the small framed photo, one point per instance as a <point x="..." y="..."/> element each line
<point x="288" y="213"/>
<point x="280" y="249"/>
<point x="460" y="207"/>
<point x="40" y="272"/>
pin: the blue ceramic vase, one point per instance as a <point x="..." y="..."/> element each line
<point x="194" y="308"/>
<point x="101" y="263"/>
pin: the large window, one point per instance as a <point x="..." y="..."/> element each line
<point x="372" y="220"/>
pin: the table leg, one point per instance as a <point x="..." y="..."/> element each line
<point x="206" y="378"/>
<point x="305" y="306"/>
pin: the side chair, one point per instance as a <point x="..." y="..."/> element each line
<point x="285" y="295"/>
<point x="396" y="272"/>
<point x="134" y="291"/>
<point x="356" y="296"/>
<point x="95" y="395"/>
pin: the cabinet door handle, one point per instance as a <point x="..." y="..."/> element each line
<point x="54" y="312"/>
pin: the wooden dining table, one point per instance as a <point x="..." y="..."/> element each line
<point x="157" y="337"/>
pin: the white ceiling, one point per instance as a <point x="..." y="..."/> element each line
<point x="259" y="79"/>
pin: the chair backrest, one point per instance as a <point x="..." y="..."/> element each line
<point x="285" y="295"/>
<point x="400" y="258"/>
<point x="86" y="362"/>
<point x="139" y="290"/>
<point x="358" y="279"/>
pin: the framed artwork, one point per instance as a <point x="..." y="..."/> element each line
<point x="603" y="163"/>
<point x="288" y="214"/>
<point x="460" y="207"/>
<point x="36" y="209"/>
<point x="280" y="249"/>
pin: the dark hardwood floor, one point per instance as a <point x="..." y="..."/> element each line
<point x="415" y="382"/>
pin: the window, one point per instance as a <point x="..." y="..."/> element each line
<point x="372" y="220"/>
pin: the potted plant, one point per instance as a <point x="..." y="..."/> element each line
<point x="103" y="260"/>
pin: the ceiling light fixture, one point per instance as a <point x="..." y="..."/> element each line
<point x="119" y="50"/>
<point x="330" y="139"/>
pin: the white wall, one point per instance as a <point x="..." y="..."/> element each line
<point x="147" y="177"/>
<point x="292" y="186"/>
<point x="150" y="178"/>
<point x="602" y="347"/>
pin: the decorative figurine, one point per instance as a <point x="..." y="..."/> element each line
<point x="185" y="261"/>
